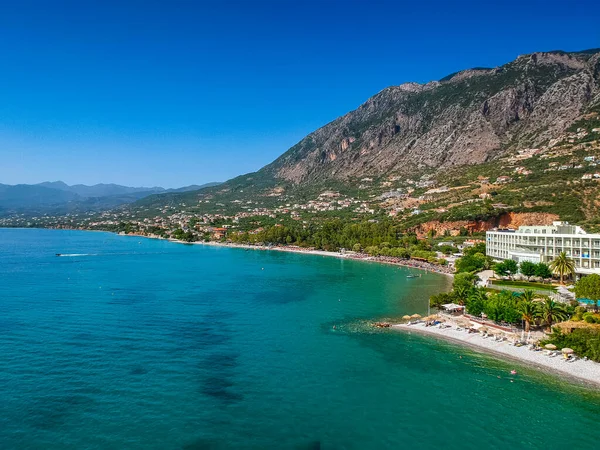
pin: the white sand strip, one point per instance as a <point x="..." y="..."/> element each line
<point x="587" y="371"/>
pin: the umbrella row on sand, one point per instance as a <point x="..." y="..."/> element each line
<point x="566" y="350"/>
<point x="414" y="316"/>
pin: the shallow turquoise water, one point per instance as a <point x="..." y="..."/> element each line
<point x="144" y="344"/>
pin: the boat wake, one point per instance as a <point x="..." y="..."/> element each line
<point x="71" y="255"/>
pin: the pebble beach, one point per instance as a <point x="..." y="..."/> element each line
<point x="585" y="371"/>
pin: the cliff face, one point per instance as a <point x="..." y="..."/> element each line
<point x="506" y="220"/>
<point x="467" y="118"/>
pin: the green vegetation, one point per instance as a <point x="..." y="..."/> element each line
<point x="588" y="288"/>
<point x="376" y="238"/>
<point x="527" y="268"/>
<point x="504" y="306"/>
<point x="563" y="266"/>
<point x="523" y="284"/>
<point x="185" y="236"/>
<point x="473" y="259"/>
<point x="508" y="267"/>
<point x="584" y="341"/>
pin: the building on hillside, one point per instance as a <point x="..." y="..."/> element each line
<point x="544" y="242"/>
<point x="219" y="233"/>
<point x="503" y="179"/>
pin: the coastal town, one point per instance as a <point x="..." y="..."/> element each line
<point x="300" y="225"/>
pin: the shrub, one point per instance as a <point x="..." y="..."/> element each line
<point x="543" y="270"/>
<point x="528" y="268"/>
<point x="585" y="341"/>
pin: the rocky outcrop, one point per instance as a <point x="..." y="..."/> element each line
<point x="506" y="220"/>
<point x="470" y="117"/>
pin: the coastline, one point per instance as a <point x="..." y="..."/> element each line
<point x="412" y="264"/>
<point x="580" y="371"/>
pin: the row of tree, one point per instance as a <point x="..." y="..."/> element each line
<point x="526" y="268"/>
<point x="504" y="306"/>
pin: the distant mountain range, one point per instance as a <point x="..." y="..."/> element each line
<point x="57" y="197"/>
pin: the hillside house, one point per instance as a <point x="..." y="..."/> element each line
<point x="503" y="179"/>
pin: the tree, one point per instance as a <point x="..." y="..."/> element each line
<point x="528" y="295"/>
<point x="506" y="267"/>
<point x="436" y="301"/>
<point x="527" y="268"/>
<point x="528" y="308"/>
<point x="543" y="271"/>
<point x="589" y="287"/>
<point x="476" y="301"/>
<point x="447" y="249"/>
<point x="356" y="248"/>
<point x="551" y="312"/>
<point x="462" y="293"/>
<point x="477" y="248"/>
<point x="466" y="280"/>
<point x="470" y="263"/>
<point x="563" y="265"/>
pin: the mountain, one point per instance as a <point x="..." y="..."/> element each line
<point x="193" y="187"/>
<point x="469" y="117"/>
<point x="32" y="196"/>
<point x="417" y="134"/>
<point x="98" y="190"/>
<point x="59" y="198"/>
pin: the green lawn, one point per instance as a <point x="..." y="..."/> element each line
<point x="523" y="284"/>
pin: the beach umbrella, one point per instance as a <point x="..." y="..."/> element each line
<point x="415" y="316"/>
<point x="550" y="346"/>
<point x="483" y="329"/>
<point x="567" y="351"/>
<point x="405" y="317"/>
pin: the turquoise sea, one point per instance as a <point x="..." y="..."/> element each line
<point x="134" y="343"/>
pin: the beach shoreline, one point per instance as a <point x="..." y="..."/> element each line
<point x="408" y="263"/>
<point x="582" y="372"/>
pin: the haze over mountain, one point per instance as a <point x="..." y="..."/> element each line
<point x="57" y="197"/>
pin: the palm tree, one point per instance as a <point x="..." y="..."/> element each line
<point x="528" y="295"/>
<point x="551" y="311"/>
<point x="462" y="294"/>
<point x="563" y="265"/>
<point x="478" y="295"/>
<point x="528" y="308"/>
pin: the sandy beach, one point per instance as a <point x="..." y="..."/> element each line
<point x="583" y="371"/>
<point x="411" y="263"/>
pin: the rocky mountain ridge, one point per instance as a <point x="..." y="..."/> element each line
<point x="469" y="117"/>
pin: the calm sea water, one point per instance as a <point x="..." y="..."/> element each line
<point x="144" y="344"/>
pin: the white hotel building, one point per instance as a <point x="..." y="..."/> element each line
<point x="543" y="243"/>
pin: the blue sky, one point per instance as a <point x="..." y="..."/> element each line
<point x="185" y="92"/>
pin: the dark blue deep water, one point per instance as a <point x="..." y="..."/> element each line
<point x="144" y="344"/>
